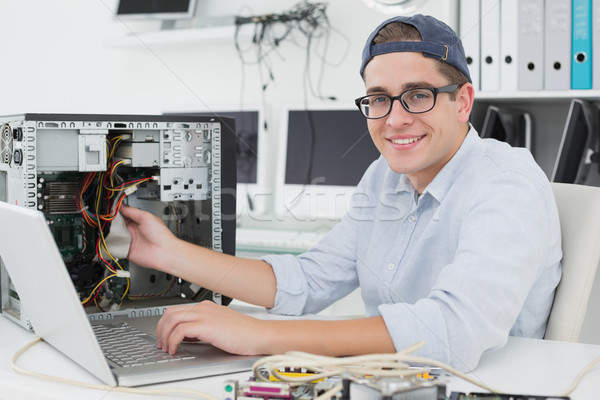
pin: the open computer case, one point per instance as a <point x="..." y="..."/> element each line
<point x="77" y="169"/>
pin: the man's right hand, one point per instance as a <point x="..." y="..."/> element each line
<point x="150" y="238"/>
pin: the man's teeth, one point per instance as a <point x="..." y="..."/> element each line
<point x="405" y="141"/>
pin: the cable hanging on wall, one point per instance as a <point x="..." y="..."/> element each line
<point x="305" y="25"/>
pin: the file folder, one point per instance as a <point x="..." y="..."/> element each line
<point x="469" y="29"/>
<point x="581" y="45"/>
<point x="596" y="44"/>
<point x="490" y="45"/>
<point x="557" y="47"/>
<point x="509" y="14"/>
<point x="531" y="45"/>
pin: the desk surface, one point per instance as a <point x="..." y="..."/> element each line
<point x="525" y="366"/>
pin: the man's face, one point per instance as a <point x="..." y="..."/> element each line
<point x="418" y="145"/>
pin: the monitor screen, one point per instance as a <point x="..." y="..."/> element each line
<point x="577" y="145"/>
<point x="510" y="126"/>
<point x="158" y="9"/>
<point x="324" y="152"/>
<point x="247" y="128"/>
<point x="327" y="147"/>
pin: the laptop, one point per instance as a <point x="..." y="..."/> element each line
<point x="37" y="270"/>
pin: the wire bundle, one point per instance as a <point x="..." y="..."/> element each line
<point x="302" y="24"/>
<point x="359" y="369"/>
<point x="356" y="368"/>
<point x="100" y="197"/>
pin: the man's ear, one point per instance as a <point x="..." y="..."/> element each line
<point x="465" y="98"/>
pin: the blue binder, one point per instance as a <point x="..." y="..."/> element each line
<point x="581" y="50"/>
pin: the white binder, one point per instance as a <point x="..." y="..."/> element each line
<point x="490" y="45"/>
<point x="531" y="44"/>
<point x="469" y="30"/>
<point x="557" y="47"/>
<point x="509" y="15"/>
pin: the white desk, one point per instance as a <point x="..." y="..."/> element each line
<point x="525" y="366"/>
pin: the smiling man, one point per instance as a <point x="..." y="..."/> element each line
<point x="453" y="239"/>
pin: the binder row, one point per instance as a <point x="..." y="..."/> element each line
<point x="516" y="45"/>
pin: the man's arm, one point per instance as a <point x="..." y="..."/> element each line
<point x="252" y="281"/>
<point x="241" y="334"/>
<point x="154" y="246"/>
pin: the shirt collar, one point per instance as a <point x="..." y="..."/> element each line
<point x="404" y="184"/>
<point x="443" y="181"/>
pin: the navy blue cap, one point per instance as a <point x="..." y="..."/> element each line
<point x="439" y="41"/>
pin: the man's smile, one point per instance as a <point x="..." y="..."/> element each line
<point x="406" y="140"/>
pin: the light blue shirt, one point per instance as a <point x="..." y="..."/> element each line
<point x="474" y="259"/>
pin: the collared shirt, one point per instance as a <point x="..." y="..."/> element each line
<point x="473" y="259"/>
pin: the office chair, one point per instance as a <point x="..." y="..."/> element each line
<point x="579" y="213"/>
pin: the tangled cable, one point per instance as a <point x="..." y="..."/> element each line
<point x="367" y="367"/>
<point x="302" y="25"/>
<point x="355" y="368"/>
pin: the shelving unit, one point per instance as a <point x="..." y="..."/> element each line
<point x="538" y="95"/>
<point x="548" y="109"/>
<point x="184" y="36"/>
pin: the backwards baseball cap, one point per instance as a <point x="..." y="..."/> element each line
<point x="439" y="41"/>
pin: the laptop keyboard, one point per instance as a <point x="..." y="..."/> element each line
<point x="127" y="346"/>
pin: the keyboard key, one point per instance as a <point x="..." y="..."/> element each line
<point x="129" y="347"/>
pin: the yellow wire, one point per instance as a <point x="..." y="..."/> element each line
<point x="96" y="288"/>
<point x="103" y="246"/>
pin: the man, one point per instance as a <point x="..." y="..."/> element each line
<point x="453" y="239"/>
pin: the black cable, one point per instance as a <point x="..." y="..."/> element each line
<point x="307" y="18"/>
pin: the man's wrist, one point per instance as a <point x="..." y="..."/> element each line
<point x="171" y="256"/>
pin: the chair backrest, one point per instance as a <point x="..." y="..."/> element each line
<point x="579" y="213"/>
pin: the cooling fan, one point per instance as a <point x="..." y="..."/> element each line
<point x="6" y="144"/>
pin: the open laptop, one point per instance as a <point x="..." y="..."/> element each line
<point x="40" y="277"/>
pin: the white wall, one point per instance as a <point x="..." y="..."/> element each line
<point x="73" y="56"/>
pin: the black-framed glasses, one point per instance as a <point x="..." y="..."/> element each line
<point x="415" y="101"/>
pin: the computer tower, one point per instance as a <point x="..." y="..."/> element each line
<point x="77" y="169"/>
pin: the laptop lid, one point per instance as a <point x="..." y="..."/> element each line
<point x="37" y="270"/>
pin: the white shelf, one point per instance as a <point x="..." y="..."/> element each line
<point x="176" y="36"/>
<point x="539" y="95"/>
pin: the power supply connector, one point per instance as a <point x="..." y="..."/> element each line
<point x="123" y="274"/>
<point x="130" y="190"/>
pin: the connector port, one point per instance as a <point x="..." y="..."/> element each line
<point x="17" y="134"/>
<point x="18" y="157"/>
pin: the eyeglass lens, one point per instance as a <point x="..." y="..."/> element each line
<point x="414" y="100"/>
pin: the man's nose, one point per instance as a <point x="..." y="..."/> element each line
<point x="398" y="114"/>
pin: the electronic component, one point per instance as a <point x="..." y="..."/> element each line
<point x="391" y="388"/>
<point x="398" y="388"/>
<point x="79" y="169"/>
<point x="495" y="396"/>
<point x="266" y="390"/>
<point x="230" y="389"/>
<point x="253" y="390"/>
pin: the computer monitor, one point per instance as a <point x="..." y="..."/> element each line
<point x="578" y="146"/>
<point x="250" y="131"/>
<point x="506" y="125"/>
<point x="168" y="11"/>
<point x="323" y="153"/>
